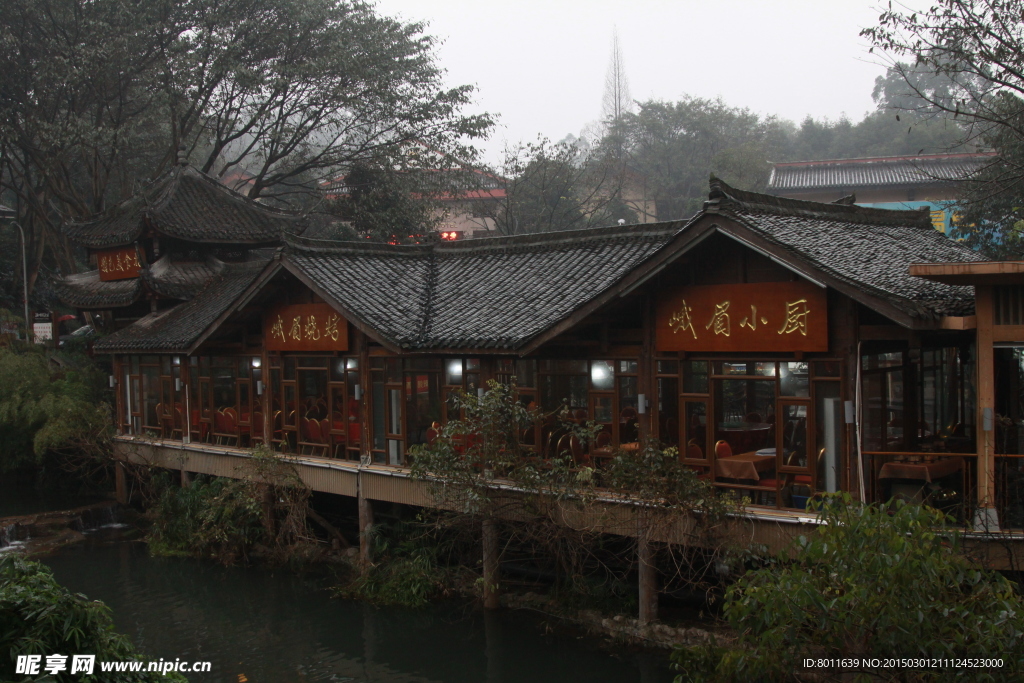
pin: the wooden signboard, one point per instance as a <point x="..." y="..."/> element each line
<point x="760" y="317"/>
<point x="119" y="264"/>
<point x="305" y="327"/>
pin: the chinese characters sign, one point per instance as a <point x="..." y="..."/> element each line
<point x="305" y="327"/>
<point x="119" y="264"/>
<point x="768" y="316"/>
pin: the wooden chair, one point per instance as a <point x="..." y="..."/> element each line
<point x="694" y="451"/>
<point x="723" y="449"/>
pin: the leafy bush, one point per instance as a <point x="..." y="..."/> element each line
<point x="875" y="581"/>
<point x="406" y="571"/>
<point x="45" y="409"/>
<point x="38" y="616"/>
<point x="264" y="508"/>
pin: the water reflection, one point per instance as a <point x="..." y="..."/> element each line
<point x="275" y="626"/>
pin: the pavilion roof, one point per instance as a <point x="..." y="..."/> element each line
<point x="188" y="205"/>
<point x="876" y="172"/>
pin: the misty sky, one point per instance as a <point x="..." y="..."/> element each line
<point x="541" y="65"/>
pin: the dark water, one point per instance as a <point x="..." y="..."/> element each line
<point x="18" y="496"/>
<point x="277" y="627"/>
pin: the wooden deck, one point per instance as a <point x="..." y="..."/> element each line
<point x="774" y="529"/>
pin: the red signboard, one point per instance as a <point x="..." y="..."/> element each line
<point x="119" y="264"/>
<point x="761" y="317"/>
<point x="305" y="327"/>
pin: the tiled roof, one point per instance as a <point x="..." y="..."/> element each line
<point x="495" y="292"/>
<point x="869" y="249"/>
<point x="87" y="291"/>
<point x="188" y="205"/>
<point x="175" y="279"/>
<point x="875" y="172"/>
<point x="177" y="329"/>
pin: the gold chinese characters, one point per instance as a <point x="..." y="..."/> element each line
<point x="794" y="316"/>
<point x="120" y="263"/>
<point x="306" y="328"/>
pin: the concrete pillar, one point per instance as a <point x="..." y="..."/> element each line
<point x="648" y="578"/>
<point x="365" y="527"/>
<point x="491" y="570"/>
<point x="120" y="484"/>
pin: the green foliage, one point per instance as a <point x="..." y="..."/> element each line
<point x="875" y="581"/>
<point x="406" y="570"/>
<point x="227" y="519"/>
<point x="211" y="517"/>
<point x="39" y="616"/>
<point x="44" y="409"/>
<point x="557" y="186"/>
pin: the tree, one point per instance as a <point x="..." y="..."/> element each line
<point x="873" y="581"/>
<point x="97" y="99"/>
<point x="671" y="147"/>
<point x="38" y="616"/>
<point x="616" y="100"/>
<point x="966" y="60"/>
<point x="557" y="186"/>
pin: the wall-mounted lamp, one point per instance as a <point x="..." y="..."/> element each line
<point x="479" y="392"/>
<point x="177" y="384"/>
<point x="641" y="403"/>
<point x="358" y="392"/>
<point x="848" y="405"/>
<point x="259" y="387"/>
<point x="257" y="362"/>
<point x="986" y="420"/>
<point x="113" y="381"/>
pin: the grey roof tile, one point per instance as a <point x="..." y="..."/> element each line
<point x="188" y="205"/>
<point x="851" y="174"/>
<point x="870" y="249"/>
<point x="486" y="293"/>
<point x="177" y="329"/>
<point x="87" y="291"/>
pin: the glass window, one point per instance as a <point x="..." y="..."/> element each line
<point x="422" y="405"/>
<point x="394" y="411"/>
<point x="827" y="368"/>
<point x="668" y="411"/>
<point x="628" y="366"/>
<point x="668" y="367"/>
<point x="379" y="413"/>
<point x="793" y="379"/>
<point x="602" y="375"/>
<point x="695" y="430"/>
<point x="526" y="373"/>
<point x="695" y="377"/>
<point x="453" y="372"/>
<point x="745" y="414"/>
<point x="764" y="369"/>
<point x="628" y="413"/>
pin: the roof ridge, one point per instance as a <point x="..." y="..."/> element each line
<point x="904" y="157"/>
<point x="724" y="197"/>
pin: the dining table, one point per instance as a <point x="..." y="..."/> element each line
<point x="923" y="471"/>
<point x="744" y="465"/>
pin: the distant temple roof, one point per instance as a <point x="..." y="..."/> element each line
<point x="875" y="172"/>
<point x="508" y="293"/>
<point x="188" y="205"/>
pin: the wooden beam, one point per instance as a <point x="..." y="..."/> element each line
<point x="1007" y="333"/>
<point x="950" y="322"/>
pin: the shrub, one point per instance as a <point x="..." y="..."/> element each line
<point x="38" y="616"/>
<point x="875" y="581"/>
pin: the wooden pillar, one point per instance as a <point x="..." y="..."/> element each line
<point x="491" y="570"/>
<point x="120" y="484"/>
<point x="648" y="577"/>
<point x="365" y="528"/>
<point x="645" y="371"/>
<point x="186" y="479"/>
<point x="985" y="517"/>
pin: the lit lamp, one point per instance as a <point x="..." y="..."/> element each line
<point x="7" y="212"/>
